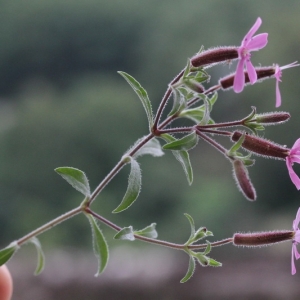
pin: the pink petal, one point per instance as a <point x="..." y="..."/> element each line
<point x="258" y="42"/>
<point x="296" y="145"/>
<point x="251" y="71"/>
<point x="297" y="255"/>
<point x="251" y="32"/>
<point x="295" y="159"/>
<point x="297" y="234"/>
<point x="278" y="96"/>
<point x="239" y="78"/>
<point x="277" y="72"/>
<point x="294" y="177"/>
<point x="293" y="260"/>
<point x="297" y="220"/>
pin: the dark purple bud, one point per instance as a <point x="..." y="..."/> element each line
<point x="243" y="181"/>
<point x="271" y="118"/>
<point x="262" y="73"/>
<point x="261" y="146"/>
<point x="262" y="238"/>
<point x="215" y="55"/>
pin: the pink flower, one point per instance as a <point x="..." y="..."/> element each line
<point x="278" y="73"/>
<point x="249" y="44"/>
<point x="294" y="156"/>
<point x="296" y="241"/>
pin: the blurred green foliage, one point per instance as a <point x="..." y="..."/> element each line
<point x="63" y="104"/>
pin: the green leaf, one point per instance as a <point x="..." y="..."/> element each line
<point x="214" y="263"/>
<point x="208" y="248"/>
<point x="183" y="157"/>
<point x="134" y="187"/>
<point x="76" y="178"/>
<point x="8" y="252"/>
<point x="142" y="94"/>
<point x="195" y="114"/>
<point x="236" y="146"/>
<point x="186" y="93"/>
<point x="152" y="147"/>
<point x="125" y="233"/>
<point x="184" y="144"/>
<point x="192" y="223"/>
<point x="179" y="102"/>
<point x="213" y="99"/>
<point x="99" y="244"/>
<point x="41" y="256"/>
<point x="199" y="234"/>
<point x="187" y="69"/>
<point x="206" y="117"/>
<point x="190" y="271"/>
<point x="148" y="231"/>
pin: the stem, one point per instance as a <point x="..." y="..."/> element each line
<point x="165" y="99"/>
<point x="213" y="131"/>
<point x="176" y="130"/>
<point x="212" y="89"/>
<point x="212" y="142"/>
<point x="49" y="225"/>
<point x="155" y="241"/>
<point x="220" y="125"/>
<point x="157" y="130"/>
<point x="116" y="169"/>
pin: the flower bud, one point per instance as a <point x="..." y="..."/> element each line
<point x="243" y="181"/>
<point x="215" y="55"/>
<point x="262" y="73"/>
<point x="261" y="146"/>
<point x="194" y="85"/>
<point x="271" y="118"/>
<point x="256" y="239"/>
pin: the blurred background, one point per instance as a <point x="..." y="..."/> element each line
<point x="62" y="103"/>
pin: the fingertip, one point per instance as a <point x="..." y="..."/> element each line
<point x="6" y="284"/>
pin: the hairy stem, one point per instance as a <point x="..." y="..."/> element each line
<point x="156" y="241"/>
<point x="116" y="169"/>
<point x="165" y="99"/>
<point x="49" y="225"/>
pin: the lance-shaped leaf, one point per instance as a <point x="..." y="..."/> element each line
<point x="76" y="178"/>
<point x="133" y="188"/>
<point x="99" y="244"/>
<point x="142" y="94"/>
<point x="183" y="157"/>
<point x="179" y="102"/>
<point x="148" y="231"/>
<point x="125" y="233"/>
<point x="212" y="100"/>
<point x="208" y="248"/>
<point x="214" y="263"/>
<point x="152" y="147"/>
<point x="184" y="144"/>
<point x="195" y="114"/>
<point x="41" y="256"/>
<point x="8" y="252"/>
<point x="190" y="271"/>
<point x="192" y="223"/>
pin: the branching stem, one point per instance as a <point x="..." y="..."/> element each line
<point x="156" y="241"/>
